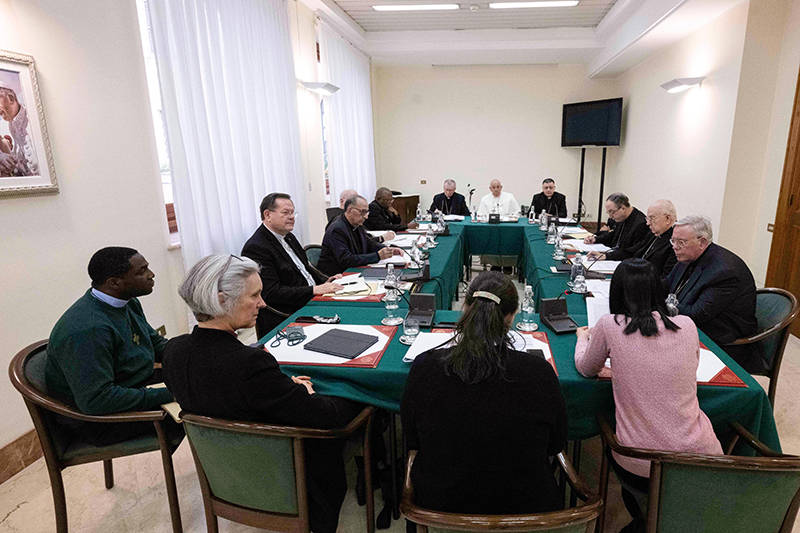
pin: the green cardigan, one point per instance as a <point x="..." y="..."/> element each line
<point x="99" y="358"/>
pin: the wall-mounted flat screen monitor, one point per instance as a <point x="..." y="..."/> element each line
<point x="596" y="123"/>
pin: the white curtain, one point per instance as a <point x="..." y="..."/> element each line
<point x="229" y="97"/>
<point x="351" y="149"/>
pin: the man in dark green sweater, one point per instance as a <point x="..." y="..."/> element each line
<point x="101" y="352"/>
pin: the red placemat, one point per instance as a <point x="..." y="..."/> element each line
<point x="538" y="335"/>
<point x="369" y="360"/>
<point x="366" y="298"/>
<point x="724" y="378"/>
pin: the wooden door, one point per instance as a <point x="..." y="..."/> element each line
<point x="784" y="258"/>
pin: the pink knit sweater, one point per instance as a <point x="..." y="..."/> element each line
<point x="655" y="387"/>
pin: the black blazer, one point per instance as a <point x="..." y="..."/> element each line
<point x="345" y="246"/>
<point x="285" y="288"/>
<point x="555" y="205"/>
<point x="458" y="204"/>
<point x="484" y="448"/>
<point x="381" y="218"/>
<point x="626" y="237"/>
<point x="657" y="250"/>
<point x="720" y="296"/>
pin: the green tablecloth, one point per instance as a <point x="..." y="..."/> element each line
<point x="383" y="386"/>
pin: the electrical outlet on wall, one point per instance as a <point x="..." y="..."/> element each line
<point x="162" y="330"/>
<point x="423" y="182"/>
<point x="770" y="227"/>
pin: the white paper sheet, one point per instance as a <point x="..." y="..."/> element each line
<point x="394" y="260"/>
<point x="605" y="267"/>
<point x="572" y="229"/>
<point x="599" y="287"/>
<point x="377" y="232"/>
<point x="583" y="247"/>
<point x="402" y="241"/>
<point x="297" y="354"/>
<point x="454" y="218"/>
<point x="710" y="365"/>
<point x="375" y="288"/>
<point x="425" y="342"/>
<point x="526" y="341"/>
<point x="595" y="308"/>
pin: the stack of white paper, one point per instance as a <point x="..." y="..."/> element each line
<point x="595" y="308"/>
<point x="402" y="241"/>
<point x="599" y="287"/>
<point x="393" y="260"/>
<point x="583" y="247"/>
<point x="377" y="233"/>
<point x="605" y="267"/>
<point x="454" y="218"/>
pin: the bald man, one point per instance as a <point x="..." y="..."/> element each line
<point x="505" y="202"/>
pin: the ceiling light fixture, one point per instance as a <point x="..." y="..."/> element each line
<point x="681" y="84"/>
<point x="319" y="87"/>
<point x="415" y="7"/>
<point x="547" y="3"/>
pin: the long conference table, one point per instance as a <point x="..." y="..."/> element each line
<point x="383" y="385"/>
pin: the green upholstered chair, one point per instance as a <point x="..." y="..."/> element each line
<point x="254" y="473"/>
<point x="60" y="447"/>
<point x="312" y="253"/>
<point x="574" y="520"/>
<point x="694" y="493"/>
<point x="776" y="309"/>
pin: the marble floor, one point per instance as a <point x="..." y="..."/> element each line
<point x="138" y="501"/>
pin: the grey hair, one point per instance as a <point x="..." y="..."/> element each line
<point x="211" y="290"/>
<point x="619" y="199"/>
<point x="450" y="182"/>
<point x="700" y="225"/>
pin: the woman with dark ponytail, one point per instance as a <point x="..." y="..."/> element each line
<point x="654" y="362"/>
<point x="484" y="417"/>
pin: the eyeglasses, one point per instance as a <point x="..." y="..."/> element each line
<point x="227" y="266"/>
<point x="653" y="219"/>
<point x="611" y="213"/>
<point x="284" y="213"/>
<point x="362" y="212"/>
<point x="680" y="243"/>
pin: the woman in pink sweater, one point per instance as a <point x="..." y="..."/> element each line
<point x="654" y="362"/>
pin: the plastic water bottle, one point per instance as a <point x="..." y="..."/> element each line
<point x="543" y="220"/>
<point x="551" y="234"/>
<point x="473" y="215"/>
<point x="528" y="310"/>
<point x="429" y="236"/>
<point x="415" y="252"/>
<point x="577" y="275"/>
<point x="419" y="213"/>
<point x="531" y="216"/>
<point x="558" y="249"/>
<point x="672" y="304"/>
<point x="440" y="225"/>
<point x="391" y="302"/>
<point x="391" y="278"/>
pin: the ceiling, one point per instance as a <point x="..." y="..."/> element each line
<point x="587" y="14"/>
<point x="608" y="37"/>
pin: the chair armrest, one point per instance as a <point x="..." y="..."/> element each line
<point x="279" y="313"/>
<point x="753" y="441"/>
<point x="579" y="486"/>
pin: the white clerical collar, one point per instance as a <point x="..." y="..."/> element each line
<point x="277" y="235"/>
<point x="110" y="300"/>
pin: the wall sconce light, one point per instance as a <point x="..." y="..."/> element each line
<point x="681" y="84"/>
<point x="323" y="88"/>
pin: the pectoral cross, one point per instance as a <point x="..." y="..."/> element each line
<point x="136" y="338"/>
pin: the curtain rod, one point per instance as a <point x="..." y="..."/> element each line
<point x="320" y="18"/>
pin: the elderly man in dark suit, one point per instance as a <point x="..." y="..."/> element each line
<point x="715" y="289"/>
<point x="289" y="282"/>
<point x="450" y="202"/>
<point x="346" y="244"/>
<point x="551" y="202"/>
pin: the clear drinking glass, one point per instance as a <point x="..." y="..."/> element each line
<point x="410" y="330"/>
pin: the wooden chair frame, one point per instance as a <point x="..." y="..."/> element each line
<point x="771" y="461"/>
<point x="215" y="506"/>
<point x="782" y="329"/>
<point x="507" y="523"/>
<point x="37" y="402"/>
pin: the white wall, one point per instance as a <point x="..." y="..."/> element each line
<point x="477" y="123"/>
<point x="676" y="146"/>
<point x="92" y="81"/>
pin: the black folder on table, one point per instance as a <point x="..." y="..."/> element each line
<point x="341" y="343"/>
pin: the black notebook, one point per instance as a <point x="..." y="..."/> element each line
<point x="341" y="343"/>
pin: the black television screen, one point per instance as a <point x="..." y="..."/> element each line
<point x="595" y="123"/>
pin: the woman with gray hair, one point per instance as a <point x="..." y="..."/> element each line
<point x="210" y="372"/>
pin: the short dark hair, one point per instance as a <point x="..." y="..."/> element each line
<point x="110" y="262"/>
<point x="619" y="199"/>
<point x="269" y="201"/>
<point x="548" y="180"/>
<point x="353" y="200"/>
<point x="382" y="191"/>
<point x="482" y="342"/>
<point x="636" y="291"/>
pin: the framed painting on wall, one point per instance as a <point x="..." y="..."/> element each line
<point x="26" y="161"/>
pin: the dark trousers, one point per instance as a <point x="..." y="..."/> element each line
<point x="634" y="492"/>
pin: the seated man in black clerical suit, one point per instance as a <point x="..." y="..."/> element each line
<point x="382" y="216"/>
<point x="551" y="202"/>
<point x="450" y="202"/>
<point x="627" y="226"/>
<point x="661" y="217"/>
<point x="289" y="282"/>
<point x="714" y="288"/>
<point x="346" y="244"/>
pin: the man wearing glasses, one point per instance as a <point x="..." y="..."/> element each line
<point x="384" y="217"/>
<point x="346" y="243"/>
<point x="288" y="280"/>
<point x="714" y="288"/>
<point x="627" y="228"/>
<point x="661" y="217"/>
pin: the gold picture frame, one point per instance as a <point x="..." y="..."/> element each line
<point x="26" y="159"/>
